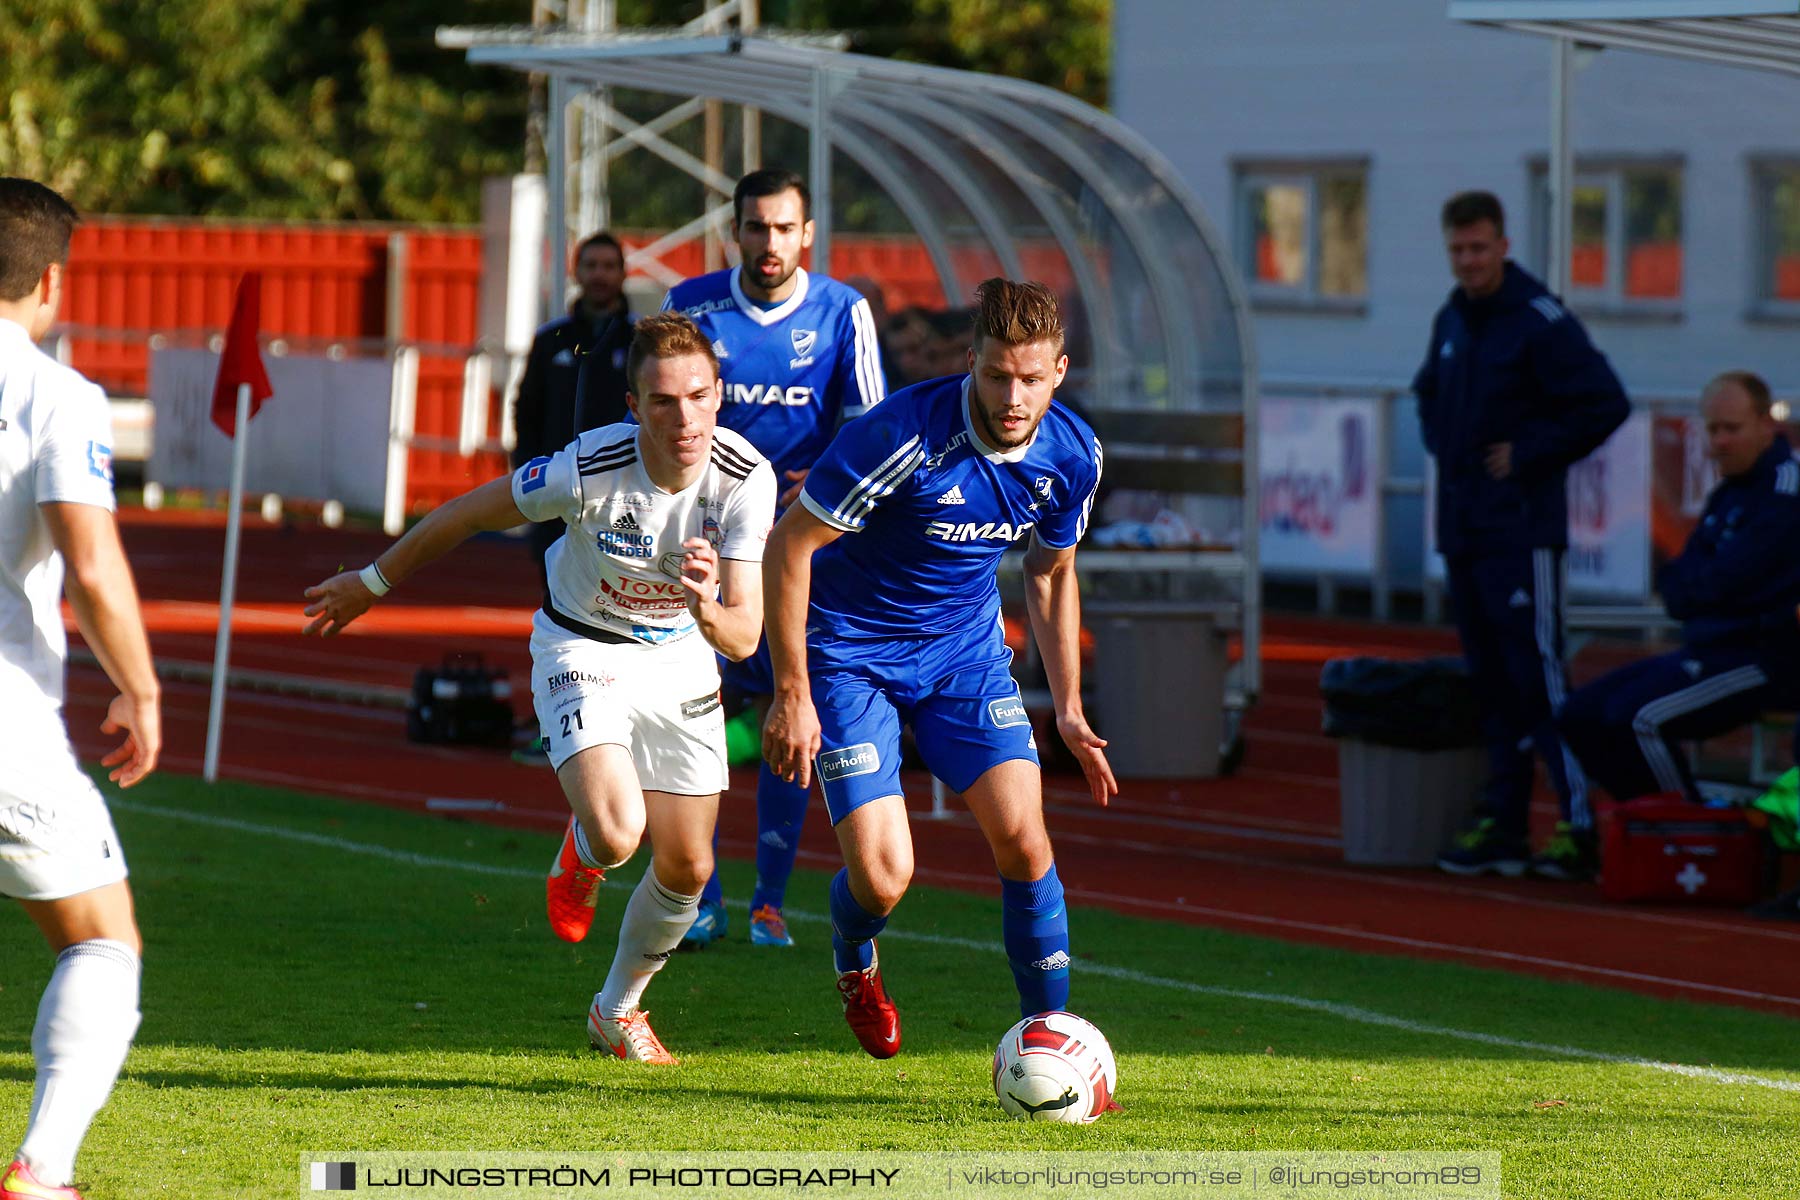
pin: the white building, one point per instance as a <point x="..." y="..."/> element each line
<point x="1338" y="128"/>
<point x="1324" y="135"/>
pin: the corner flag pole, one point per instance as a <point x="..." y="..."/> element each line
<point x="215" y="713"/>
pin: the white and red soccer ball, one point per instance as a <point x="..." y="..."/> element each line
<point x="1055" y="1067"/>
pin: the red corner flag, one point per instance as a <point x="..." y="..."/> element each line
<point x="241" y="361"/>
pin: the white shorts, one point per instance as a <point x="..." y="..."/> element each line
<point x="659" y="702"/>
<point x="56" y="837"/>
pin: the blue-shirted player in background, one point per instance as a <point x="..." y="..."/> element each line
<point x="900" y="622"/>
<point x="798" y="354"/>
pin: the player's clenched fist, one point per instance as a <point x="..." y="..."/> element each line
<point x="336" y="602"/>
<point x="699" y="573"/>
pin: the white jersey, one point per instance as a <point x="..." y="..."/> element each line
<point x="618" y="568"/>
<point x="55" y="445"/>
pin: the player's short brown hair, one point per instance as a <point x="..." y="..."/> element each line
<point x="1754" y="385"/>
<point x="35" y="227"/>
<point x="1016" y="314"/>
<point x="666" y="335"/>
<point x="1466" y="208"/>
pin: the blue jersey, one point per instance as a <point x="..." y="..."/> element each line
<point x="928" y="508"/>
<point x="791" y="372"/>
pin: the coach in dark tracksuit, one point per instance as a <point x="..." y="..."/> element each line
<point x="1511" y="394"/>
<point x="575" y="374"/>
<point x="1734" y="589"/>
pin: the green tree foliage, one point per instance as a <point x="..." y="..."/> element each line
<point x="263" y="108"/>
<point x="1064" y="44"/>
<point x="347" y="109"/>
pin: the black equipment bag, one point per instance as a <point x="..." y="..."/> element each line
<point x="461" y="703"/>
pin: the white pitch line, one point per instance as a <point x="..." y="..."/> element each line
<point x="1345" y="1012"/>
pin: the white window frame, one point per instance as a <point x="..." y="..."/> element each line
<point x="1306" y="174"/>
<point x="1763" y="302"/>
<point x="1609" y="300"/>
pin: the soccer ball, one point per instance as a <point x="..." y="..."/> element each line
<point x="1055" y="1067"/>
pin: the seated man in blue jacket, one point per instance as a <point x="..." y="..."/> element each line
<point x="1511" y="394"/>
<point x="1734" y="589"/>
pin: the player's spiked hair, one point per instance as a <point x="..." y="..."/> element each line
<point x="666" y="335"/>
<point x="35" y="226"/>
<point x="1016" y="314"/>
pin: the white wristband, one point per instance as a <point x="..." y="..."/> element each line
<point x="374" y="580"/>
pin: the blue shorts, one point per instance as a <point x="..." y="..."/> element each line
<point x="956" y="691"/>
<point x="754" y="676"/>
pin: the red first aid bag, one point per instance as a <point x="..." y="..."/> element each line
<point x="1664" y="848"/>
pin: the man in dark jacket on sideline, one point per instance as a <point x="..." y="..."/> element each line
<point x="1734" y="588"/>
<point x="575" y="374"/>
<point x="1511" y="394"/>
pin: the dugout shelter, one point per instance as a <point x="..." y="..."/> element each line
<point x="999" y="176"/>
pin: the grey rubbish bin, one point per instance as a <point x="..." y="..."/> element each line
<point x="1410" y="762"/>
<point x="1159" y="687"/>
<point x="1401" y="807"/>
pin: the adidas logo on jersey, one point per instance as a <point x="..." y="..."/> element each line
<point x="627" y="522"/>
<point x="953" y="496"/>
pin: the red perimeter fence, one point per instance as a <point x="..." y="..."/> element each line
<point x="131" y="278"/>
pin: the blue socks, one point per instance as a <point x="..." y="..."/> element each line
<point x="780" y="814"/>
<point x="853" y="927"/>
<point x="1035" y="925"/>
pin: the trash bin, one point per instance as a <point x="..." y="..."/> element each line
<point x="1411" y="761"/>
<point x="1159" y="687"/>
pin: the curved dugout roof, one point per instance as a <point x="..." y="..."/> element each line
<point x="995" y="175"/>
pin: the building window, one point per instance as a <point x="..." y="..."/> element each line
<point x="1775" y="186"/>
<point x="1625" y="251"/>
<point x="1303" y="233"/>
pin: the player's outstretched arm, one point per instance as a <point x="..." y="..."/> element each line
<point x="104" y="596"/>
<point x="791" y="732"/>
<point x="1053" y="602"/>
<point x="725" y="596"/>
<point x="337" y="601"/>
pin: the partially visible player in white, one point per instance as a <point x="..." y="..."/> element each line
<point x="59" y="855"/>
<point x="660" y="567"/>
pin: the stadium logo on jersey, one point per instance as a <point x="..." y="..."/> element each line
<point x="860" y="759"/>
<point x="533" y="475"/>
<point x="100" y="461"/>
<point x="713" y="534"/>
<point x="937" y="460"/>
<point x="1042" y="486"/>
<point x="953" y="496"/>
<point x="767" y="393"/>
<point x="984" y="531"/>
<point x="626" y="522"/>
<point x="1007" y="713"/>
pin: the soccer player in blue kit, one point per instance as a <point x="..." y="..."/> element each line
<point x="900" y="621"/>
<point x="798" y="355"/>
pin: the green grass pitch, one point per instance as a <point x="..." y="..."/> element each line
<point x="323" y="975"/>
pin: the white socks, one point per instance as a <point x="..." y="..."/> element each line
<point x="85" y="1023"/>
<point x="655" y="919"/>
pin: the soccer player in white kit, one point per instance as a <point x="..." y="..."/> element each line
<point x="59" y="855"/>
<point x="660" y="567"/>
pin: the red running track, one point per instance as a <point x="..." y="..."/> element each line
<point x="1257" y="853"/>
